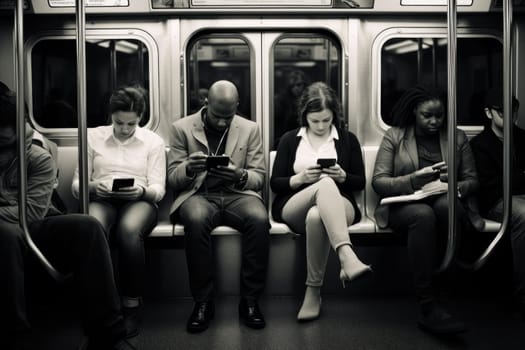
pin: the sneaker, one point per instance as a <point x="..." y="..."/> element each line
<point x="436" y="320"/>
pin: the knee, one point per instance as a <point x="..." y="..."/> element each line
<point x="195" y="215"/>
<point x="424" y="215"/>
<point x="85" y="227"/>
<point x="313" y="216"/>
<point x="130" y="230"/>
<point x="259" y="217"/>
<point x="11" y="237"/>
<point x="327" y="183"/>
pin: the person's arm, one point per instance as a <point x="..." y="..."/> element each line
<point x="75" y="184"/>
<point x="255" y="162"/>
<point x="280" y="180"/>
<point x="178" y="177"/>
<point x="355" y="173"/>
<point x="383" y="181"/>
<point x="468" y="181"/>
<point x="41" y="176"/>
<point x="156" y="173"/>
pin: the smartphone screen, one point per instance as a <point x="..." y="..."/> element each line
<point x="214" y="161"/>
<point x="120" y="183"/>
<point x="326" y="162"/>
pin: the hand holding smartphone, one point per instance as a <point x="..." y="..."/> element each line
<point x="326" y="162"/>
<point x="121" y="183"/>
<point x="214" y="161"/>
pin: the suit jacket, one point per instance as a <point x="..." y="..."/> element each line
<point x="349" y="157"/>
<point x="488" y="152"/>
<point x="243" y="145"/>
<point x="397" y="160"/>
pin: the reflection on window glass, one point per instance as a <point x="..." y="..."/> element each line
<point x="109" y="64"/>
<point x="298" y="61"/>
<point x="219" y="57"/>
<point x="406" y="62"/>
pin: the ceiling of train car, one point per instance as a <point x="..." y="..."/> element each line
<point x="233" y="7"/>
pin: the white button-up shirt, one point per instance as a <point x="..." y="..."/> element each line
<point x="306" y="156"/>
<point x="142" y="156"/>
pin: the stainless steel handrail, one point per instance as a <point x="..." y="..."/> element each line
<point x="451" y="132"/>
<point x="18" y="34"/>
<point x="507" y="137"/>
<point x="81" y="103"/>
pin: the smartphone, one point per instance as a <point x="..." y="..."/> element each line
<point x="119" y="183"/>
<point x="326" y="162"/>
<point x="438" y="166"/>
<point x="214" y="161"/>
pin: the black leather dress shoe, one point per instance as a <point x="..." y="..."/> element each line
<point x="250" y="314"/>
<point x="201" y="316"/>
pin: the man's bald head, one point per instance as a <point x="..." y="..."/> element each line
<point x="223" y="96"/>
<point x="222" y="103"/>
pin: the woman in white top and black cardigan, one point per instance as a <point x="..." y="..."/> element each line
<point x="125" y="150"/>
<point x="319" y="202"/>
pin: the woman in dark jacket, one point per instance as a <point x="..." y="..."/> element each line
<point x="411" y="155"/>
<point x="318" y="201"/>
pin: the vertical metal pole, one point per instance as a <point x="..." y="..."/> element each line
<point x="419" y="60"/>
<point x="112" y="65"/>
<point x="507" y="136"/>
<point x="81" y="103"/>
<point x="451" y="132"/>
<point x="507" y="111"/>
<point x="18" y="34"/>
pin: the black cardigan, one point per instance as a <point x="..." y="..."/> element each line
<point x="349" y="157"/>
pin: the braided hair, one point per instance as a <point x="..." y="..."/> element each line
<point x="403" y="115"/>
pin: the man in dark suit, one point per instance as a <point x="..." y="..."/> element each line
<point x="488" y="152"/>
<point x="226" y="195"/>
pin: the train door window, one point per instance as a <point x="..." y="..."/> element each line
<point x="298" y="60"/>
<point x="109" y="64"/>
<point x="215" y="57"/>
<point x="407" y="62"/>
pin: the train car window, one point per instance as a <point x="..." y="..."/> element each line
<point x="215" y="57"/>
<point x="109" y="64"/>
<point x="407" y="62"/>
<point x="297" y="61"/>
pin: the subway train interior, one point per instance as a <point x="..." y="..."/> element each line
<point x="369" y="52"/>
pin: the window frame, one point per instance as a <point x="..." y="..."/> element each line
<point x="228" y="33"/>
<point x="96" y="34"/>
<point x="416" y="33"/>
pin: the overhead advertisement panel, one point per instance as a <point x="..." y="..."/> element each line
<point x="91" y="3"/>
<point x="261" y="3"/>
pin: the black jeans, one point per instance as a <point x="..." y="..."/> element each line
<point x="73" y="244"/>
<point x="200" y="214"/>
<point x="127" y="223"/>
<point x="426" y="223"/>
<point x="517" y="240"/>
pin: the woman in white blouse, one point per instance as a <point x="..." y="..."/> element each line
<point x="318" y="201"/>
<point x="125" y="150"/>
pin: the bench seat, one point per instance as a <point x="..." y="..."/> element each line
<point x="367" y="201"/>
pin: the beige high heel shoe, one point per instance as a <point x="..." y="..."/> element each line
<point x="311" y="307"/>
<point x="363" y="270"/>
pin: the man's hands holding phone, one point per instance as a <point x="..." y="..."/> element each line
<point x="219" y="166"/>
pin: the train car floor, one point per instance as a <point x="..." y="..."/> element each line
<point x="353" y="322"/>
